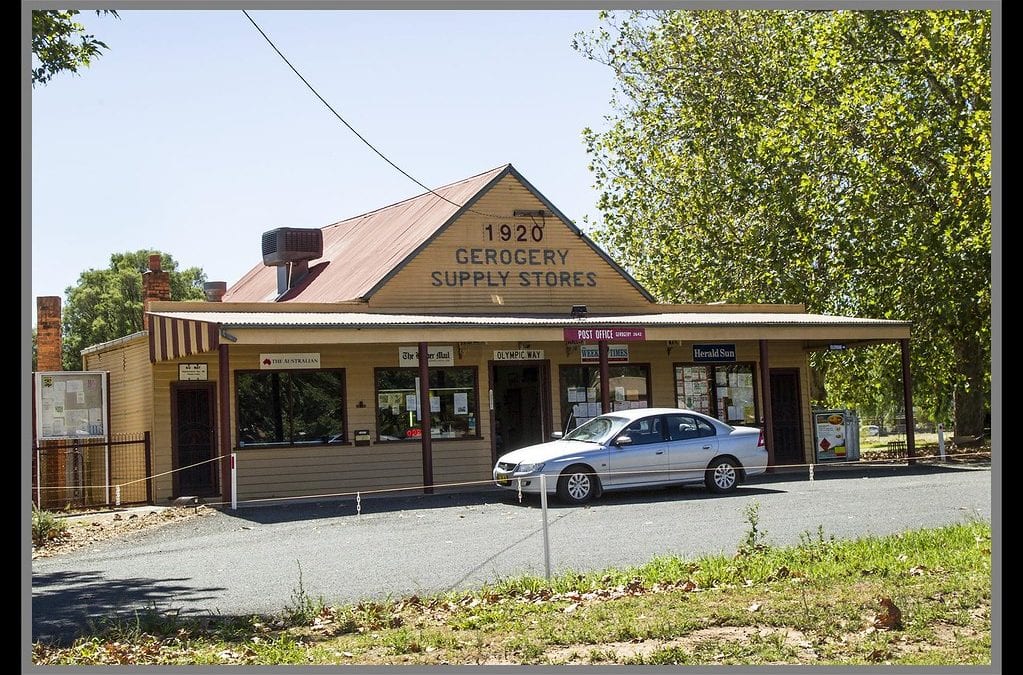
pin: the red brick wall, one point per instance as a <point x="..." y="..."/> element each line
<point x="48" y="342"/>
<point x="155" y="284"/>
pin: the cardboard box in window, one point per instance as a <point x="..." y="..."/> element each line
<point x="362" y="436"/>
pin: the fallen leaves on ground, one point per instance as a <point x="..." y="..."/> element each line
<point x="85" y="531"/>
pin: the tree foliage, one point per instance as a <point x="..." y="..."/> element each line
<point x="60" y="43"/>
<point x="107" y="303"/>
<point x="837" y="159"/>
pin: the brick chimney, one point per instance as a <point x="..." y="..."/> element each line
<point x="48" y="342"/>
<point x="155" y="284"/>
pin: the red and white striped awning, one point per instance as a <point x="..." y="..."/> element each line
<point x="172" y="338"/>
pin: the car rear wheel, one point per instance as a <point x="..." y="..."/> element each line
<point x="722" y="475"/>
<point x="577" y="484"/>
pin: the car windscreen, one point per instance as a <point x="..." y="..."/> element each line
<point x="598" y="429"/>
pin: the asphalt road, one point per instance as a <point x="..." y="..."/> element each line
<point x="248" y="561"/>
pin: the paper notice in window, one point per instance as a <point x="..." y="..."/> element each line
<point x="434" y="404"/>
<point x="461" y="403"/>
<point x="410" y="402"/>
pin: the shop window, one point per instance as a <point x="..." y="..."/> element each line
<point x="453" y="403"/>
<point x="290" y="407"/>
<point x="722" y="391"/>
<point x="629" y="387"/>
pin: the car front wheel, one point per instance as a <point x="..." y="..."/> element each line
<point x="577" y="484"/>
<point x="722" y="475"/>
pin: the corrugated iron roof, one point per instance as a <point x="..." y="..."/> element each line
<point x="377" y="320"/>
<point x="360" y="252"/>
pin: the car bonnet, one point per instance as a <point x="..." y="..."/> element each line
<point x="545" y="452"/>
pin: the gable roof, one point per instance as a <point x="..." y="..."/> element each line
<point x="362" y="253"/>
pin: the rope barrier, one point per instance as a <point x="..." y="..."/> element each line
<point x="131" y="482"/>
<point x="358" y="494"/>
<point x="490" y="481"/>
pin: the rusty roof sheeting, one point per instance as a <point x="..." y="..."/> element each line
<point x="353" y="262"/>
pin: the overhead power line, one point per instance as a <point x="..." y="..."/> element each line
<point x="351" y="128"/>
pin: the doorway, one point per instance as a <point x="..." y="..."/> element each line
<point x="194" y="439"/>
<point x="522" y="411"/>
<point x="787" y="416"/>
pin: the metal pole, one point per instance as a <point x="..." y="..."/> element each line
<point x="765" y="394"/>
<point x="39" y="478"/>
<point x="224" y="391"/>
<point x="106" y="461"/>
<point x="907" y="395"/>
<point x="425" y="425"/>
<point x="941" y="441"/>
<point x="149" y="468"/>
<point x="605" y="378"/>
<point x="546" y="539"/>
<point x="234" y="481"/>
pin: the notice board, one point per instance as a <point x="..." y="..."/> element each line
<point x="70" y="405"/>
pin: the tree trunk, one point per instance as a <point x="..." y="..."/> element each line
<point x="971" y="396"/>
<point x="818" y="392"/>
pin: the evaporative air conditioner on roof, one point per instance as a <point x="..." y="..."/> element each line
<point x="290" y="244"/>
<point x="290" y="249"/>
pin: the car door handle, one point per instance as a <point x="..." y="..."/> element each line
<point x="706" y="447"/>
<point x="660" y="452"/>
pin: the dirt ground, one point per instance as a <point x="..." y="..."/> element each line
<point x="86" y="529"/>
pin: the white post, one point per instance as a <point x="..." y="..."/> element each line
<point x="941" y="441"/>
<point x="546" y="540"/>
<point x="117" y="495"/>
<point x="234" y="481"/>
<point x="811" y="472"/>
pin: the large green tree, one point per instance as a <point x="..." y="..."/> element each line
<point x="106" y="304"/>
<point x="838" y="159"/>
<point x="60" y="43"/>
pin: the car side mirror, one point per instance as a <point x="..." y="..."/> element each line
<point x="623" y="440"/>
<point x="556" y="435"/>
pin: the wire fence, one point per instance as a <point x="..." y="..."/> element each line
<point x="75" y="473"/>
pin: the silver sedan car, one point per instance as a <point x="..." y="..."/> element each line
<point x="637" y="448"/>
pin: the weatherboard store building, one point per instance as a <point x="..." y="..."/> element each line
<point x="412" y="345"/>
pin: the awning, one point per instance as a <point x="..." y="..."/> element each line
<point x="172" y="337"/>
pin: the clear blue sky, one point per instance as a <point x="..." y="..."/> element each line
<point x="191" y="136"/>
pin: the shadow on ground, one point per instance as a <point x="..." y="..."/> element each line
<point x="841" y="470"/>
<point x="64" y="604"/>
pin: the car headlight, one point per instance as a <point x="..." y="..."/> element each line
<point x="528" y="468"/>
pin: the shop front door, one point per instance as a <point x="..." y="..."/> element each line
<point x="521" y="405"/>
<point x="788" y="420"/>
<point x="194" y="439"/>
